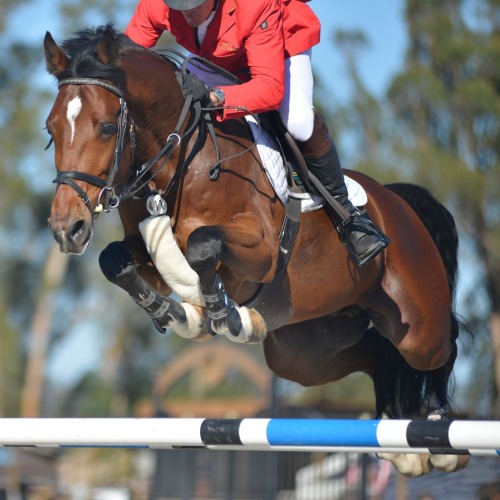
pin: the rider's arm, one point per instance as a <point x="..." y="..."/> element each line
<point x="148" y="22"/>
<point x="261" y="25"/>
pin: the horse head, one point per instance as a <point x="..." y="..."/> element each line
<point x="92" y="130"/>
<point x="83" y="124"/>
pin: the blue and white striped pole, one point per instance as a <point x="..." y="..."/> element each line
<point x="369" y="436"/>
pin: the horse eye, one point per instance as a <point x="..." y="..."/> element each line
<point x="108" y="129"/>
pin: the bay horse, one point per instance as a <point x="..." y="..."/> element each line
<point x="126" y="137"/>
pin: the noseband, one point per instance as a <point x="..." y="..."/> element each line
<point x="107" y="199"/>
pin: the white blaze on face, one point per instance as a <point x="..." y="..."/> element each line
<point x="74" y="108"/>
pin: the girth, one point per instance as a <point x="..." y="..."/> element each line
<point x="272" y="300"/>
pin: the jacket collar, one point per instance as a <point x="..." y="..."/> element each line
<point x="223" y="21"/>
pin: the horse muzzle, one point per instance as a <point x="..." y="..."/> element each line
<point x="72" y="236"/>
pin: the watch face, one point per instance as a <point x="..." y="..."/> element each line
<point x="219" y="93"/>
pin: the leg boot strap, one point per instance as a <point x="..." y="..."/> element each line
<point x="222" y="309"/>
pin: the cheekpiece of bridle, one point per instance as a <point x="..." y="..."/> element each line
<point x="107" y="199"/>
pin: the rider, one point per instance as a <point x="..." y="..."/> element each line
<point x="267" y="44"/>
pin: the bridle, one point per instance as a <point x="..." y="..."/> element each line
<point x="107" y="199"/>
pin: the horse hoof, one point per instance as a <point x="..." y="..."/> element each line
<point x="409" y="464"/>
<point x="163" y="310"/>
<point x="253" y="328"/>
<point x="229" y="321"/>
<point x="233" y="320"/>
<point x="449" y="463"/>
<point x="195" y="327"/>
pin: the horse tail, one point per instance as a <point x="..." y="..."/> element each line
<point x="401" y="390"/>
<point x="438" y="221"/>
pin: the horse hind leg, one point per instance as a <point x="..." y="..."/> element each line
<point x="440" y="379"/>
<point x="118" y="265"/>
<point x="403" y="392"/>
<point x="415" y="465"/>
<point x="443" y="462"/>
<point x="314" y="358"/>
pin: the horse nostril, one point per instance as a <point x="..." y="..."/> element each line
<point x="79" y="231"/>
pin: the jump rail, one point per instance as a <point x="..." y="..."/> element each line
<point x="259" y="434"/>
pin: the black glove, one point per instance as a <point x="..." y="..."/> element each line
<point x="192" y="85"/>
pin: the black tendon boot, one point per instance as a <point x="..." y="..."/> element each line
<point x="362" y="238"/>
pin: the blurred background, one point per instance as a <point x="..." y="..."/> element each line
<point x="411" y="90"/>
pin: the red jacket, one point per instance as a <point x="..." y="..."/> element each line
<point x="249" y="38"/>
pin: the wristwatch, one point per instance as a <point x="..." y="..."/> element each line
<point x="219" y="94"/>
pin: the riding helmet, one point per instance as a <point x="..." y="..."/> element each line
<point x="183" y="4"/>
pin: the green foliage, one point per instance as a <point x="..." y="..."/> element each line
<point x="354" y="393"/>
<point x="439" y="126"/>
<point x="11" y="367"/>
<point x="26" y="192"/>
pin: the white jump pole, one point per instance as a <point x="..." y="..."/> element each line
<point x="258" y="434"/>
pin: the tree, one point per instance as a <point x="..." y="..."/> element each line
<point x="441" y="129"/>
<point x="36" y="312"/>
<point x="19" y="199"/>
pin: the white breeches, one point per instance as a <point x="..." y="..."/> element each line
<point x="296" y="110"/>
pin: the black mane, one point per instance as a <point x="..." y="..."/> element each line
<point x="84" y="62"/>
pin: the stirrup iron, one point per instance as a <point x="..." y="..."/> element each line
<point x="366" y="226"/>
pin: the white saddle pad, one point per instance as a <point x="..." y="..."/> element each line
<point x="276" y="172"/>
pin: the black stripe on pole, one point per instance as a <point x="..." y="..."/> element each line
<point x="448" y="451"/>
<point x="428" y="434"/>
<point x="224" y="432"/>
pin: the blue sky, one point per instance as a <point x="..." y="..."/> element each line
<point x="383" y="23"/>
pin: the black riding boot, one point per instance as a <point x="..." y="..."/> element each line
<point x="362" y="238"/>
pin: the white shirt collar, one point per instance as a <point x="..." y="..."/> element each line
<point x="203" y="27"/>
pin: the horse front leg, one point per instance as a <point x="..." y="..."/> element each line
<point x="124" y="263"/>
<point x="240" y="246"/>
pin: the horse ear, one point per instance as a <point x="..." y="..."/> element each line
<point x="108" y="47"/>
<point x="56" y="60"/>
